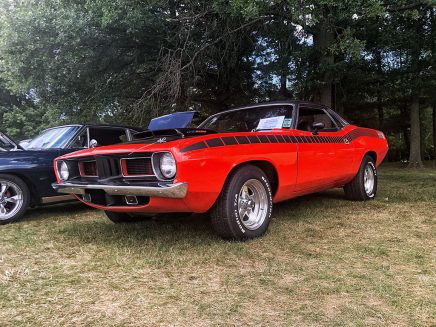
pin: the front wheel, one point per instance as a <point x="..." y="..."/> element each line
<point x="243" y="209"/>
<point x="14" y="198"/>
<point x="364" y="185"/>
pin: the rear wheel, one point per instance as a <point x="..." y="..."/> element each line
<point x="243" y="209"/>
<point x="364" y="185"/>
<point x="14" y="198"/>
<point x="124" y="218"/>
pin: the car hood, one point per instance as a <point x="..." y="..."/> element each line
<point x="31" y="153"/>
<point x="161" y="140"/>
<point x="166" y="135"/>
<point x="174" y="120"/>
<point x="8" y="144"/>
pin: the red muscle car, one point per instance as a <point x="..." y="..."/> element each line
<point x="235" y="165"/>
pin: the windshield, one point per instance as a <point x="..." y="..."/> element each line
<point x="53" y="138"/>
<point x="6" y="144"/>
<point x="251" y="119"/>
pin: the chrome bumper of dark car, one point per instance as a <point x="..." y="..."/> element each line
<point x="175" y="191"/>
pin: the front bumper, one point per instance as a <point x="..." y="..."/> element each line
<point x="174" y="191"/>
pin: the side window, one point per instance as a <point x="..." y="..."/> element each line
<point x="308" y="116"/>
<point x="107" y="135"/>
<point x="81" y="140"/>
<point x="341" y="122"/>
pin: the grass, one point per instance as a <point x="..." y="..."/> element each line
<point x="324" y="261"/>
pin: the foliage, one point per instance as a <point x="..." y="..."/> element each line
<point x="127" y="61"/>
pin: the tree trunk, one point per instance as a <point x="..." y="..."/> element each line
<point x="322" y="40"/>
<point x="284" y="92"/>
<point x="434" y="130"/>
<point x="380" y="111"/>
<point x="415" y="134"/>
<point x="381" y="115"/>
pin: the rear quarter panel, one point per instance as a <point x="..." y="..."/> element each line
<point x="367" y="140"/>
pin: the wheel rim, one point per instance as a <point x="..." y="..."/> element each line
<point x="253" y="204"/>
<point x="11" y="199"/>
<point x="369" y="179"/>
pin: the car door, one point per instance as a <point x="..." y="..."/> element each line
<point x="106" y="135"/>
<point x="324" y="155"/>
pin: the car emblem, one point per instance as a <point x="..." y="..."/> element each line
<point x="162" y="140"/>
<point x="346" y="141"/>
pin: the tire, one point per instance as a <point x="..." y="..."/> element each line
<point x="124" y="218"/>
<point x="14" y="198"/>
<point x="247" y="189"/>
<point x="361" y="188"/>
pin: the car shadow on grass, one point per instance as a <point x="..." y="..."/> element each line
<point x="188" y="230"/>
<point x="162" y="232"/>
<point x="54" y="211"/>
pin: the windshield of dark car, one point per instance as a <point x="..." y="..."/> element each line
<point x="251" y="119"/>
<point x="5" y="144"/>
<point x="53" y="138"/>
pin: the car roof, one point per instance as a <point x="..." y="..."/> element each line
<point x="97" y="125"/>
<point x="279" y="102"/>
<point x="276" y="102"/>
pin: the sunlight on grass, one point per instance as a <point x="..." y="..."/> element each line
<point x="324" y="261"/>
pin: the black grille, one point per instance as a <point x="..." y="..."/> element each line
<point x="88" y="168"/>
<point x="114" y="168"/>
<point x="137" y="167"/>
<point x="108" y="167"/>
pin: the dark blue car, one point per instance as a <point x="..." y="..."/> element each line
<point x="26" y="174"/>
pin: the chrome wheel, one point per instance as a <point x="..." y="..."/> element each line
<point x="253" y="204"/>
<point x="11" y="199"/>
<point x="369" y="179"/>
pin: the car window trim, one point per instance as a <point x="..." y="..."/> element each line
<point x="331" y="118"/>
<point x="292" y="105"/>
<point x="317" y="107"/>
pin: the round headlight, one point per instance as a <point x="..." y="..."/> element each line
<point x="167" y="165"/>
<point x="63" y="171"/>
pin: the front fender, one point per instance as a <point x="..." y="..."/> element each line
<point x="34" y="167"/>
<point x="206" y="170"/>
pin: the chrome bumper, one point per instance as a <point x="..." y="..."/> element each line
<point x="175" y="191"/>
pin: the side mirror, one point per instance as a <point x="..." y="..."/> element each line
<point x="317" y="127"/>
<point x="93" y="143"/>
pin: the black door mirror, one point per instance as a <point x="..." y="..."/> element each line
<point x="317" y="126"/>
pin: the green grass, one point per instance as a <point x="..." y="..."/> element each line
<point x="324" y="261"/>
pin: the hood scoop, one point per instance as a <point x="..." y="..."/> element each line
<point x="166" y="135"/>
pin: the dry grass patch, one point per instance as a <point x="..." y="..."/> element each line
<point x="325" y="261"/>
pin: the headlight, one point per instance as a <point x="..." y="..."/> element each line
<point x="63" y="171"/>
<point x="167" y="165"/>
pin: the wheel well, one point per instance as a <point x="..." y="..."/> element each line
<point x="269" y="170"/>
<point x="373" y="155"/>
<point x="34" y="198"/>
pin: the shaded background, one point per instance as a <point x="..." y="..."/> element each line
<point x="126" y="61"/>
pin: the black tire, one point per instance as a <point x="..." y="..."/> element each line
<point x="355" y="190"/>
<point x="124" y="218"/>
<point x="225" y="216"/>
<point x="24" y="201"/>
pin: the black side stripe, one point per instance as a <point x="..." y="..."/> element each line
<point x="229" y="140"/>
<point x="195" y="146"/>
<point x="270" y="138"/>
<point x="214" y="142"/>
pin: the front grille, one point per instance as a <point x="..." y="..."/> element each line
<point x="88" y="168"/>
<point x="137" y="166"/>
<point x="115" y="167"/>
<point x="108" y="167"/>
